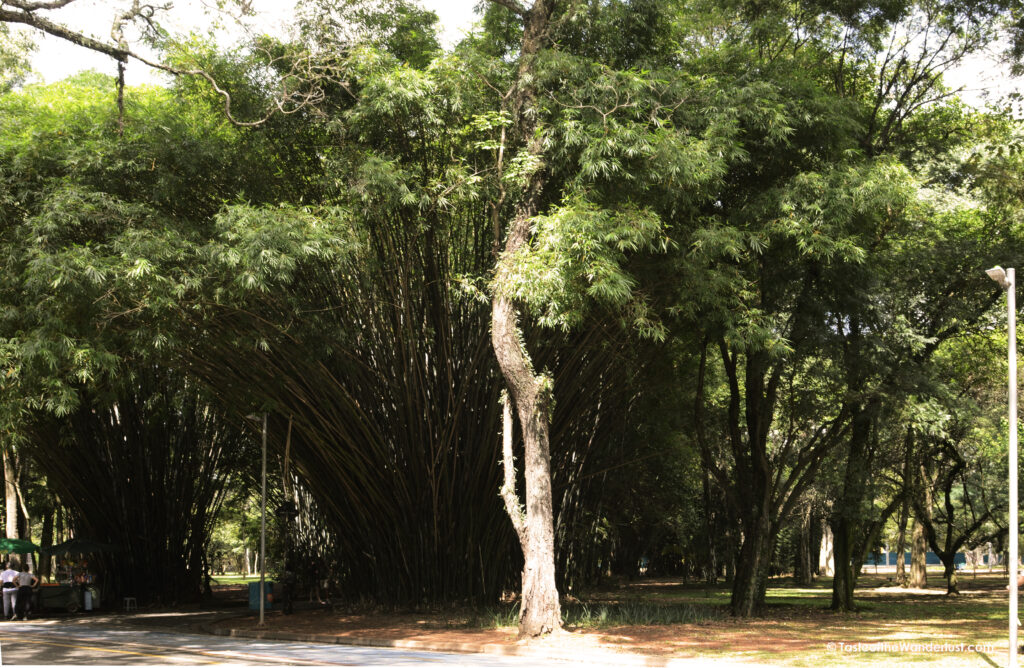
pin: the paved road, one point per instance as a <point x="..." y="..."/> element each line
<point x="47" y="642"/>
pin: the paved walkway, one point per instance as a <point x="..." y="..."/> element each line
<point x="209" y="637"/>
<point x="105" y="643"/>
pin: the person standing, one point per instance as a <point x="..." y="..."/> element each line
<point x="8" y="579"/>
<point x="26" y="582"/>
<point x="288" y="581"/>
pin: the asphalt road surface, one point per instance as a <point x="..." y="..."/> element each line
<point x="47" y="643"/>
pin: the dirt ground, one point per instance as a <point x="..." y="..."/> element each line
<point x="893" y="625"/>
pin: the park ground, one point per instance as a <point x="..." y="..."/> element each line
<point x="664" y="619"/>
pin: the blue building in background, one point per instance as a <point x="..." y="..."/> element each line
<point x="931" y="559"/>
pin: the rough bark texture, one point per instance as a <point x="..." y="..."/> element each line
<point x="751" y="583"/>
<point x="530" y="392"/>
<point x="45" y="541"/>
<point x="805" y="564"/>
<point x="843" y="582"/>
<point x="901" y="545"/>
<point x="10" y="496"/>
<point x="848" y="513"/>
<point x="949" y="571"/>
<point x="918" y="555"/>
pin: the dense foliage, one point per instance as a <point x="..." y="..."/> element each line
<point x="751" y="292"/>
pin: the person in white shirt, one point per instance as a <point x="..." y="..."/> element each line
<point x="8" y="579"/>
<point x="23" y="603"/>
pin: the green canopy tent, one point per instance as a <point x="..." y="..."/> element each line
<point x="17" y="546"/>
<point x="73" y="597"/>
<point x="79" y="546"/>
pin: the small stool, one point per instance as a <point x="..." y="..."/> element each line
<point x="130" y="604"/>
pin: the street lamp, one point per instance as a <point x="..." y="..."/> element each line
<point x="263" y="522"/>
<point x="1005" y="279"/>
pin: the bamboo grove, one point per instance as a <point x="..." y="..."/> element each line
<point x="742" y="246"/>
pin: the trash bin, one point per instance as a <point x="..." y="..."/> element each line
<point x="254" y="595"/>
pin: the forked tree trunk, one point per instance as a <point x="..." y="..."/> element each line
<point x="530" y="393"/>
<point x="751" y="583"/>
<point x="848" y="520"/>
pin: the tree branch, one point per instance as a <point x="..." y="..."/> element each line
<point x="32" y="6"/>
<point x="63" y="32"/>
<point x="304" y="69"/>
<point x="513" y="6"/>
<point x="513" y="506"/>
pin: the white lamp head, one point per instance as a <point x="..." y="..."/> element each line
<point x="998" y="274"/>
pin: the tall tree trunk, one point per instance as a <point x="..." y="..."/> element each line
<point x="843" y="582"/>
<point x="901" y="545"/>
<point x="805" y="574"/>
<point x="10" y="494"/>
<point x="752" y="568"/>
<point x="45" y="541"/>
<point x="949" y="571"/>
<point x="530" y="392"/>
<point x="848" y="518"/>
<point x="918" y="557"/>
<point x="711" y="562"/>
<point x="711" y="559"/>
<point x="901" y="542"/>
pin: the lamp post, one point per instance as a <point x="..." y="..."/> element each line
<point x="262" y="530"/>
<point x="1005" y="279"/>
<point x="263" y="522"/>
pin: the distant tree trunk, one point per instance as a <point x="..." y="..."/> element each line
<point x="711" y="561"/>
<point x="918" y="557"/>
<point x="848" y="515"/>
<point x="901" y="546"/>
<point x="10" y="494"/>
<point x="24" y="521"/>
<point x="730" y="563"/>
<point x="901" y="541"/>
<point x="805" y="566"/>
<point x="711" y="557"/>
<point x="826" y="556"/>
<point x="45" y="541"/>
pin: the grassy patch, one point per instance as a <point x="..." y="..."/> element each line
<point x="638" y="613"/>
<point x="235" y="579"/>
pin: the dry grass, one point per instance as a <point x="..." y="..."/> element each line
<point x="893" y="627"/>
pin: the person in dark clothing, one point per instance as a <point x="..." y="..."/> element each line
<point x="288" y="580"/>
<point x="26" y="585"/>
